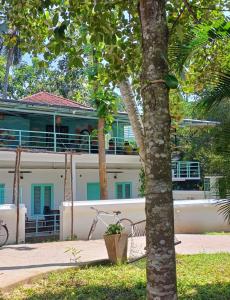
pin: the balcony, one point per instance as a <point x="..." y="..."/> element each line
<point x="185" y="170"/>
<point x="62" y="142"/>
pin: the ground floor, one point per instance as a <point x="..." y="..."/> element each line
<point x="42" y="179"/>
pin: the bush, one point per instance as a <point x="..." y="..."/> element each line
<point x="114" y="229"/>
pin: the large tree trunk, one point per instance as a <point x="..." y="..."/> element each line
<point x="134" y="115"/>
<point x="102" y="159"/>
<point x="9" y="63"/>
<point x="161" y="267"/>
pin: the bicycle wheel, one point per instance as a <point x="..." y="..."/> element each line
<point x="4" y="235"/>
<point x="92" y="228"/>
<point x="127" y="226"/>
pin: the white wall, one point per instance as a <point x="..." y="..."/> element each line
<point x="8" y="214"/>
<point x="91" y="175"/>
<point x="36" y="176"/>
<point x="83" y="215"/>
<point x="189" y="195"/>
<point x="191" y="216"/>
<point x="56" y="177"/>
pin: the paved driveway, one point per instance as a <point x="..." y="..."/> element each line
<point x="18" y="263"/>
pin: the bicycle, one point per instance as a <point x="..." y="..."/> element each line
<point x="124" y="222"/>
<point x="137" y="241"/>
<point x="4" y="233"/>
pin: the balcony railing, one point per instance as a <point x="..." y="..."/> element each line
<point x="182" y="170"/>
<point x="62" y="142"/>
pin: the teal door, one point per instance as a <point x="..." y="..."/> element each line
<point x="42" y="198"/>
<point x="2" y="193"/>
<point x="93" y="191"/>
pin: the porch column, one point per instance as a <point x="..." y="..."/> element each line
<point x="74" y="178"/>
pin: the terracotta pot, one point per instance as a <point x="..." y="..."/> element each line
<point x="116" y="245"/>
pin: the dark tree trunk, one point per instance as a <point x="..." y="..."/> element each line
<point x="161" y="267"/>
<point x="102" y="160"/>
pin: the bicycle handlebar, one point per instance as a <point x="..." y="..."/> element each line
<point x="101" y="211"/>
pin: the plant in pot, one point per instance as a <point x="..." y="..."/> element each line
<point x="116" y="242"/>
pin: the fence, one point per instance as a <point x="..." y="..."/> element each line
<point x="42" y="226"/>
<point x="191" y="216"/>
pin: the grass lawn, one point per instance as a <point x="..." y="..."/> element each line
<point x="218" y="233"/>
<point x="202" y="276"/>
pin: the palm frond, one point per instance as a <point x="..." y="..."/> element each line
<point x="224" y="209"/>
<point x="200" y="36"/>
<point x="215" y="94"/>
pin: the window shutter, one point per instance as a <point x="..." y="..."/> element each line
<point x="37" y="200"/>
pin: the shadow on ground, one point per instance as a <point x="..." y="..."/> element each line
<point x="22" y="248"/>
<point x="219" y="291"/>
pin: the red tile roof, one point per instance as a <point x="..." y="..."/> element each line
<point x="45" y="98"/>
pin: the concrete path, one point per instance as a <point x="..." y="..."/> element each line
<point x="19" y="263"/>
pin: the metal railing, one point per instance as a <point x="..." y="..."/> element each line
<point x="185" y="170"/>
<point x="62" y="142"/>
<point x="46" y="225"/>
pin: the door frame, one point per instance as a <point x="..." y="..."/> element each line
<point x="42" y="185"/>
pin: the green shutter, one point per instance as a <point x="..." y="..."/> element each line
<point x="37" y="200"/>
<point x="123" y="190"/>
<point x="2" y="193"/>
<point x="93" y="191"/>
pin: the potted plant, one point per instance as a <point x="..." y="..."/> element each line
<point x="116" y="242"/>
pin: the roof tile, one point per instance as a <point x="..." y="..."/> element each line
<point x="45" y="98"/>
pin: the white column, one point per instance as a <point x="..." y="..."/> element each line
<point x="74" y="178"/>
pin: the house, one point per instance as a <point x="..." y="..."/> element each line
<point x="45" y="127"/>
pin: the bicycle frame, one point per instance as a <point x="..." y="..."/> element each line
<point x="99" y="215"/>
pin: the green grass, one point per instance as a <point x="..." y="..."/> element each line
<point x="218" y="233"/>
<point x="202" y="276"/>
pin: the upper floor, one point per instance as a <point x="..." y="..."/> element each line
<point x="47" y="122"/>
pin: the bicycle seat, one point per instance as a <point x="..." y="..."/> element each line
<point x="117" y="212"/>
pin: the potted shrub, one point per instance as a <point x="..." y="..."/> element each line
<point x="116" y="243"/>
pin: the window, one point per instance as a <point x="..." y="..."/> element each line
<point x="2" y="193"/>
<point x="93" y="191"/>
<point x="123" y="190"/>
<point x="42" y="198"/>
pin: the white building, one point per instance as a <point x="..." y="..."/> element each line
<point x="45" y="127"/>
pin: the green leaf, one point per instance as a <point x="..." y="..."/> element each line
<point x="171" y="81"/>
<point x="55" y="19"/>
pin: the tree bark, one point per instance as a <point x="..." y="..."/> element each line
<point x="9" y="62"/>
<point x="161" y="267"/>
<point x="134" y="115"/>
<point x="102" y="160"/>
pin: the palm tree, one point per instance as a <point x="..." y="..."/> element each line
<point x="9" y="47"/>
<point x="13" y="55"/>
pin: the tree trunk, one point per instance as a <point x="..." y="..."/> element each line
<point x="9" y="62"/>
<point x="161" y="267"/>
<point x="134" y="115"/>
<point x="102" y="160"/>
